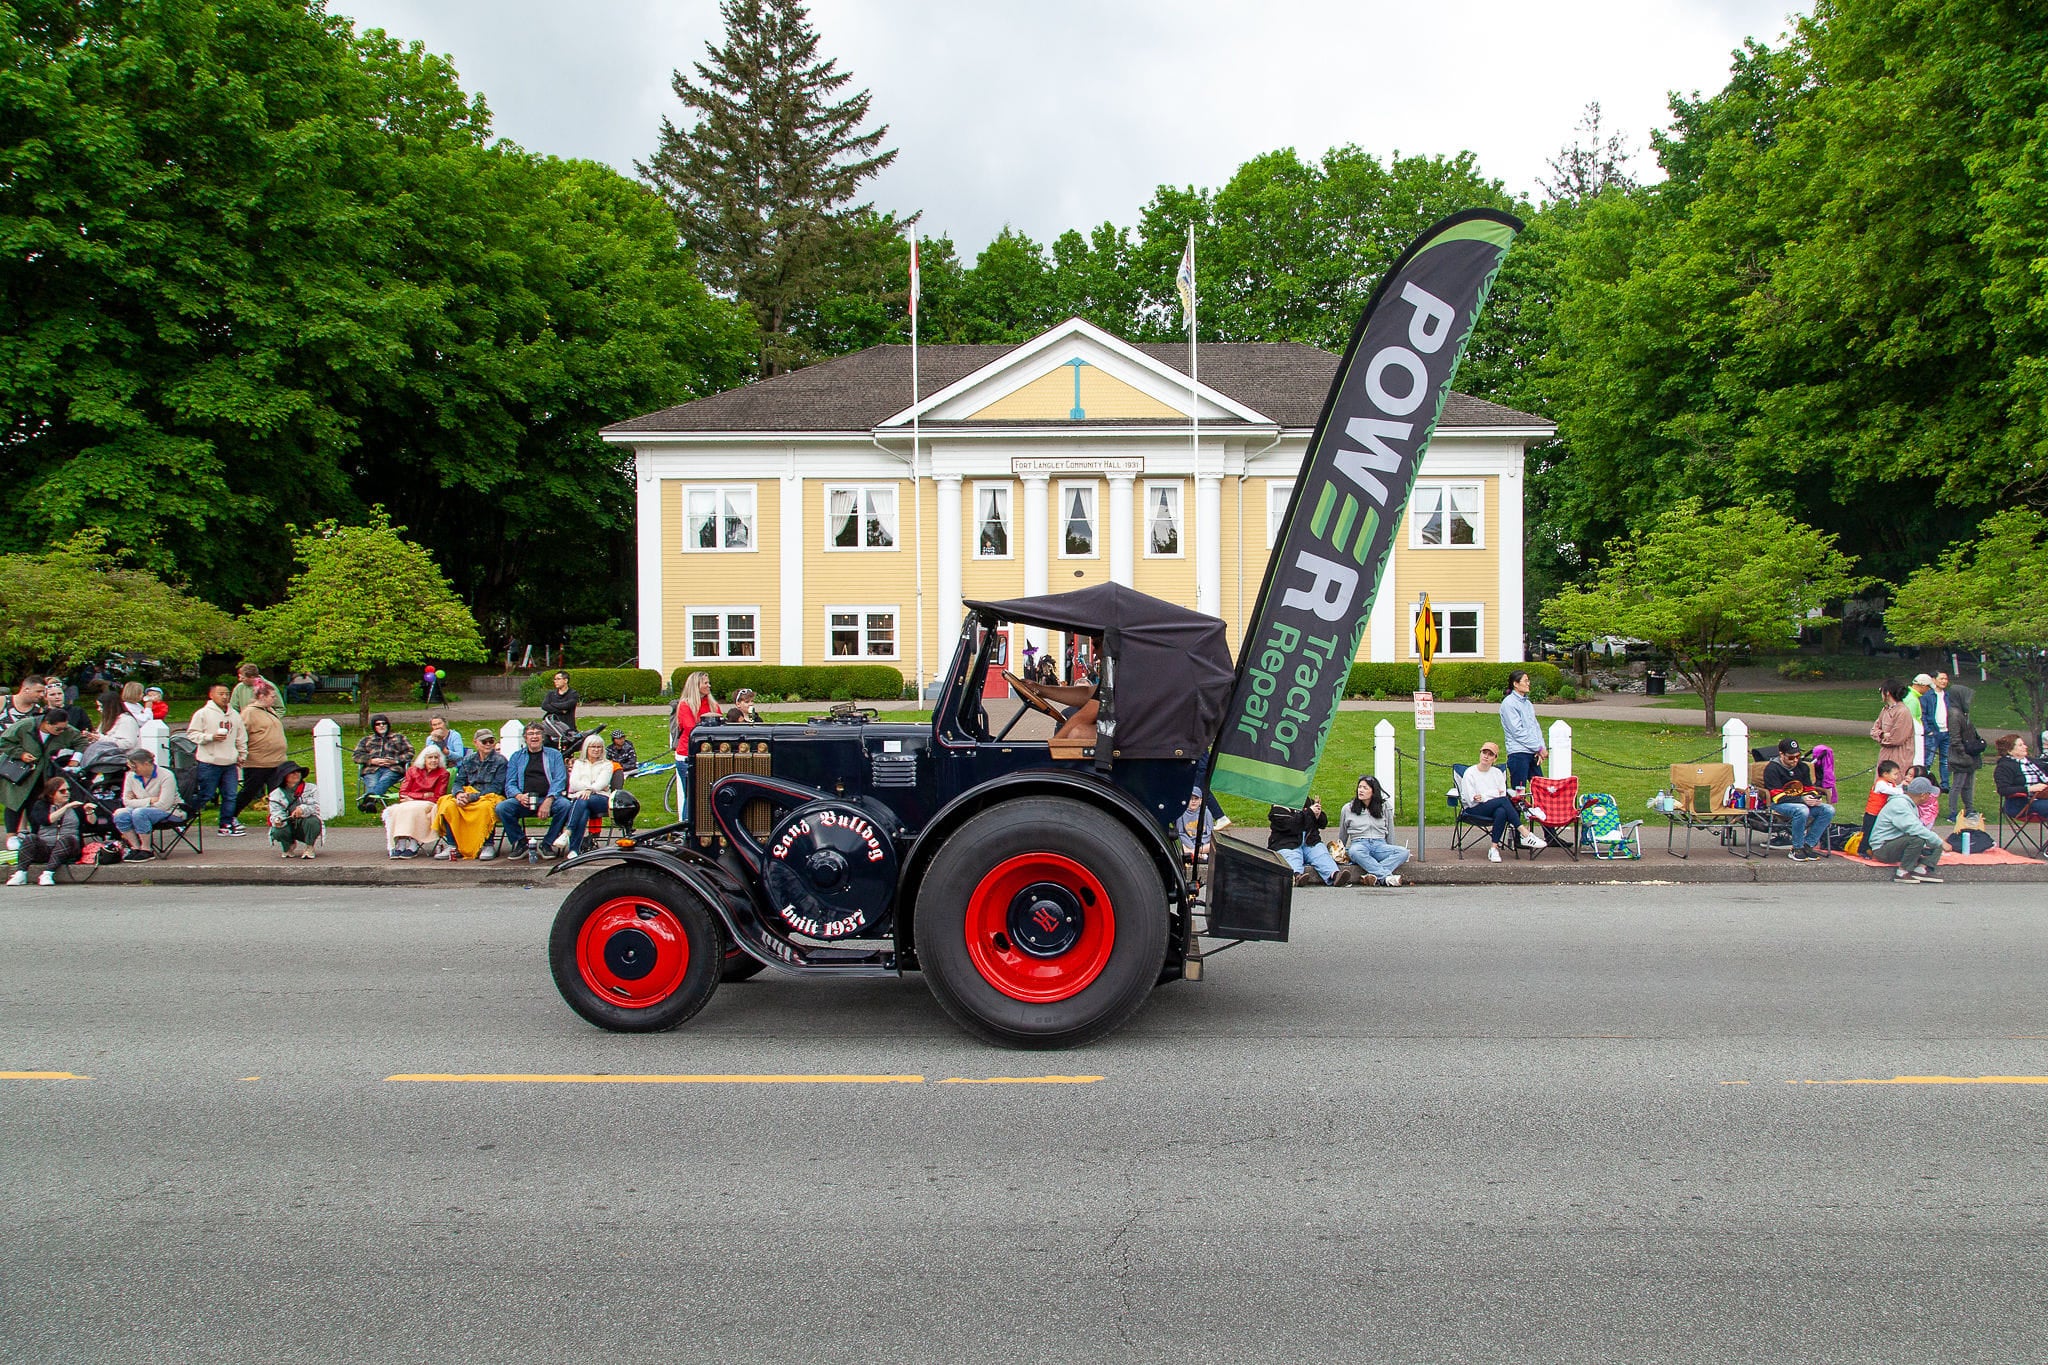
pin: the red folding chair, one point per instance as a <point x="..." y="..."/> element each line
<point x="1555" y="800"/>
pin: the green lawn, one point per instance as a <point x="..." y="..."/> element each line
<point x="1854" y="701"/>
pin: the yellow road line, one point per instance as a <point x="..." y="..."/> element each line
<point x="1937" y="1080"/>
<point x="1021" y="1080"/>
<point x="41" y="1076"/>
<point x="525" y="1078"/>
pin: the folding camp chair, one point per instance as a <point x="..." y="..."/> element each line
<point x="1555" y="802"/>
<point x="1701" y="792"/>
<point x="1468" y="833"/>
<point x="2023" y="833"/>
<point x="1601" y="828"/>
<point x="183" y="825"/>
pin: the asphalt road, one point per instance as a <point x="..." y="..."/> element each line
<point x="1571" y="1124"/>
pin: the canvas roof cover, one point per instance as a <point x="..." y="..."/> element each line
<point x="1173" y="669"/>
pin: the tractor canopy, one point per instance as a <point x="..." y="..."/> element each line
<point x="1171" y="666"/>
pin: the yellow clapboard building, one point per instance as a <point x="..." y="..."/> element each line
<point x="790" y="522"/>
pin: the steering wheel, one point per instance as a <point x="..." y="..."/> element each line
<point x="1032" y="697"/>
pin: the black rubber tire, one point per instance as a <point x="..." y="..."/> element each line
<point x="739" y="967"/>
<point x="701" y="931"/>
<point x="1100" y="844"/>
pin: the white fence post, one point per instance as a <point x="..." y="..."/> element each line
<point x="155" y="736"/>
<point x="327" y="766"/>
<point x="1735" y="747"/>
<point x="1385" y="763"/>
<point x="1560" y="764"/>
<point x="511" y="737"/>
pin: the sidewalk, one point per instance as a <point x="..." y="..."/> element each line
<point x="355" y="857"/>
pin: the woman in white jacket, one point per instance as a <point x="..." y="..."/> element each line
<point x="589" y="790"/>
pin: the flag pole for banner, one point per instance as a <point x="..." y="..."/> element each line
<point x="916" y="470"/>
<point x="1195" y="422"/>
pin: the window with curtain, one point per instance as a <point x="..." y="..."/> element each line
<point x="991" y="521"/>
<point x="1445" y="516"/>
<point x="718" y="518"/>
<point x="861" y="518"/>
<point x="1077" y="517"/>
<point x="1162" y="519"/>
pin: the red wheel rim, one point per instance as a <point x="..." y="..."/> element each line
<point x="633" y="952"/>
<point x="1040" y="928"/>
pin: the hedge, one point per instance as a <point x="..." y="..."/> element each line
<point x="1451" y="681"/>
<point x="812" y="682"/>
<point x="597" y="684"/>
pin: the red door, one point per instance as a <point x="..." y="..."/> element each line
<point x="998" y="660"/>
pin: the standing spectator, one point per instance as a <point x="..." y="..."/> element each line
<point x="222" y="747"/>
<point x="1889" y="783"/>
<point x="693" y="703"/>
<point x="468" y="813"/>
<point x="56" y="699"/>
<point x="1297" y="836"/>
<point x="132" y="703"/>
<point x="149" y="796"/>
<point x="448" y="741"/>
<point x="589" y="790"/>
<point x="1900" y="838"/>
<point x="263" y="723"/>
<point x="25" y="700"/>
<point x="34" y="741"/>
<point x="153" y="698"/>
<point x="535" y="779"/>
<point x="244" y="695"/>
<point x="558" y="709"/>
<point x="1366" y="829"/>
<point x="622" y="752"/>
<point x="294" y="811"/>
<point x="381" y="758"/>
<point x="1966" y="748"/>
<point x="1923" y="703"/>
<point x="1483" y="794"/>
<point x="409" y="821"/>
<point x="1934" y="711"/>
<point x="1524" y="735"/>
<point x="2021" y="783"/>
<point x="50" y="834"/>
<point x="1797" y="797"/>
<point x="1893" y="728"/>
<point x="117" y="726"/>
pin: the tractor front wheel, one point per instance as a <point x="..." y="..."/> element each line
<point x="634" y="951"/>
<point x="1041" y="923"/>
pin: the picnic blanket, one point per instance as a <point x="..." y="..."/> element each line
<point x="1990" y="857"/>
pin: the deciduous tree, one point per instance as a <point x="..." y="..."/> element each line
<point x="76" y="602"/>
<point x="1991" y="595"/>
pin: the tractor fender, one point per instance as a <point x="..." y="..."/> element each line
<point x="706" y="879"/>
<point x="1111" y="800"/>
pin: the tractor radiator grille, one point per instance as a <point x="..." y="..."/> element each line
<point x="714" y="759"/>
<point x="895" y="770"/>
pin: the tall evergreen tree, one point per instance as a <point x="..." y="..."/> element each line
<point x="762" y="184"/>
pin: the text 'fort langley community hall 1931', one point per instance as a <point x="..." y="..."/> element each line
<point x="778" y="522"/>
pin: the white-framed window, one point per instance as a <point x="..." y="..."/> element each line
<point x="718" y="518"/>
<point x="1460" y="629"/>
<point x="860" y="517"/>
<point x="1077" y="524"/>
<point x="1446" y="516"/>
<point x="1278" y="493"/>
<point x="861" y="632"/>
<point x="724" y="632"/>
<point x="992" y="523"/>
<point x="1162" y="521"/>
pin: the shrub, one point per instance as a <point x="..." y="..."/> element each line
<point x="810" y="682"/>
<point x="1452" y="680"/>
<point x="597" y="684"/>
<point x="1494" y="696"/>
<point x="1567" y="693"/>
<point x="605" y="646"/>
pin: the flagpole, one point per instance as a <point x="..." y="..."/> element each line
<point x="916" y="469"/>
<point x="1195" y="423"/>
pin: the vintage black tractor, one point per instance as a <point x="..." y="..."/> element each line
<point x="1036" y="883"/>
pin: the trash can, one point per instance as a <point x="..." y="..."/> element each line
<point x="1653" y="684"/>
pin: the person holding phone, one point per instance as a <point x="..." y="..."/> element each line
<point x="1797" y="797"/>
<point x="50" y="836"/>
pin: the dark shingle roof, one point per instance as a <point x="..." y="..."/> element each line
<point x="1284" y="380"/>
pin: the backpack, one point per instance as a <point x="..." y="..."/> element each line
<point x="1969" y="841"/>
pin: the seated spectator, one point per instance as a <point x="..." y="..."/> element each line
<point x="153" y="698"/>
<point x="50" y="834"/>
<point x="1900" y="838"/>
<point x="622" y="752"/>
<point x="263" y="724"/>
<point x="1196" y="829"/>
<point x="1796" y="795"/>
<point x="1483" y="794"/>
<point x="467" y="814"/>
<point x="1930" y="808"/>
<point x="1297" y="836"/>
<point x="35" y="741"/>
<point x="117" y="726"/>
<point x="589" y="790"/>
<point x="149" y="796"/>
<point x="294" y="811"/>
<point x="409" y="821"/>
<point x="535" y="780"/>
<point x="301" y="686"/>
<point x="381" y="756"/>
<point x="448" y="741"/>
<point x="221" y="746"/>
<point x="743" y="711"/>
<point x="1365" y="826"/>
<point x="1883" y="789"/>
<point x="2021" y="782"/>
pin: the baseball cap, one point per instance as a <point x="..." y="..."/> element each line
<point x="1788" y="746"/>
<point x="1920" y="786"/>
<point x="1922" y="680"/>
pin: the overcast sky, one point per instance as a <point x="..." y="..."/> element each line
<point x="1064" y="114"/>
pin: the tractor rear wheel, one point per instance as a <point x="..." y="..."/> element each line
<point x="634" y="951"/>
<point x="1041" y="923"/>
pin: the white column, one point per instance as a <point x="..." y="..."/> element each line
<point x="949" y="560"/>
<point x="1560" y="764"/>
<point x="1384" y="629"/>
<point x="1035" y="538"/>
<point x="1209" y="545"/>
<point x="790" y="610"/>
<point x="327" y="767"/>
<point x="647" y="521"/>
<point x="1508" y="538"/>
<point x="511" y="737"/>
<point x="1121" y="536"/>
<point x="1385" y="762"/>
<point x="155" y="736"/>
<point x="1735" y="747"/>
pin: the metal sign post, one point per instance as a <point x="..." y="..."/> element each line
<point x="1425" y="719"/>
